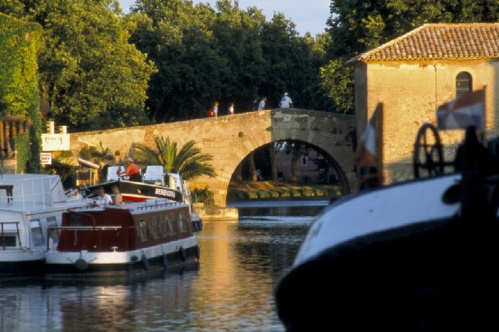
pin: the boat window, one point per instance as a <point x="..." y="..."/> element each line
<point x="154" y="227"/>
<point x="162" y="226"/>
<point x="182" y="222"/>
<point x="8" y="239"/>
<point x="173" y="224"/>
<point x="54" y="233"/>
<point x="37" y="233"/>
<point x="143" y="229"/>
<point x="463" y="83"/>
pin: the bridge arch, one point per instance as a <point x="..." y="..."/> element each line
<point x="284" y="164"/>
<point x="231" y="138"/>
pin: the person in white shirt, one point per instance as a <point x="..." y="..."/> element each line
<point x="215" y="109"/>
<point x="286" y="101"/>
<point x="261" y="106"/>
<point x="103" y="199"/>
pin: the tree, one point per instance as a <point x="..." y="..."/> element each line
<point x="90" y="74"/>
<point x="188" y="161"/>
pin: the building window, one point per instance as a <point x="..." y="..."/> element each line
<point x="463" y="83"/>
<point x="304" y="161"/>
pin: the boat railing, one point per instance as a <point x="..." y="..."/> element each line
<point x="159" y="205"/>
<point x="2" y="234"/>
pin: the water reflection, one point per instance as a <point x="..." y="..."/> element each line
<point x="232" y="289"/>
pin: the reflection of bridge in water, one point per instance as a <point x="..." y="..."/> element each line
<point x="231" y="138"/>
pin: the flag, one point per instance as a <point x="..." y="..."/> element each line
<point x="462" y="112"/>
<point x="365" y="155"/>
<point x="367" y="158"/>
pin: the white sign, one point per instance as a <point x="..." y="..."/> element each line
<point x="55" y="142"/>
<point x="46" y="158"/>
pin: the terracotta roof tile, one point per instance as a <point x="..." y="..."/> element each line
<point x="439" y="42"/>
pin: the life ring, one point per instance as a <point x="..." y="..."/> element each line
<point x="145" y="262"/>
<point x="81" y="264"/>
<point x="165" y="261"/>
<point x="181" y="253"/>
<point x="197" y="252"/>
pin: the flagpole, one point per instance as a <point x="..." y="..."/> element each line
<point x="484" y="131"/>
<point x="379" y="141"/>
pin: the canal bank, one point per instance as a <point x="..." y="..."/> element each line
<point x="268" y="191"/>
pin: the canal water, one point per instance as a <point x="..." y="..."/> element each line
<point x="231" y="289"/>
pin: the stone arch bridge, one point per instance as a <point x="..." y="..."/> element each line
<point x="231" y="138"/>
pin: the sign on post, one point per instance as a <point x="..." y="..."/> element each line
<point x="46" y="158"/>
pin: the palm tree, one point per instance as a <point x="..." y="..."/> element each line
<point x="189" y="161"/>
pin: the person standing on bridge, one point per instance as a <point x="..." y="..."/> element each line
<point x="286" y="101"/>
<point x="231" y="109"/>
<point x="215" y="109"/>
<point x="261" y="105"/>
<point x="254" y="104"/>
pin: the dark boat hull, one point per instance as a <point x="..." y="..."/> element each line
<point x="430" y="277"/>
<point x="407" y="257"/>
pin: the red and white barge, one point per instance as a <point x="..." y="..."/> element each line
<point x="123" y="239"/>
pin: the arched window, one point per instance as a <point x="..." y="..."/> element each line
<point x="463" y="83"/>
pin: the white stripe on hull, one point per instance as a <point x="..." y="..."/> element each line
<point x="54" y="257"/>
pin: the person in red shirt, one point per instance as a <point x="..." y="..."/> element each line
<point x="132" y="170"/>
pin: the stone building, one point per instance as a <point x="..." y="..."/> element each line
<point x="413" y="74"/>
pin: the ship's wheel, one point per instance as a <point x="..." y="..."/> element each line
<point x="428" y="152"/>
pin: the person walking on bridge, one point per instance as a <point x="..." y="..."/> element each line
<point x="261" y="106"/>
<point x="286" y="101"/>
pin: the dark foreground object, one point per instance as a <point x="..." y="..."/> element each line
<point x="433" y="277"/>
<point x="433" y="274"/>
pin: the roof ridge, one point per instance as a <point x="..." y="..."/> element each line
<point x="438" y="41"/>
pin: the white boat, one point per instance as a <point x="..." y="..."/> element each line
<point x="415" y="256"/>
<point x="122" y="240"/>
<point x="29" y="204"/>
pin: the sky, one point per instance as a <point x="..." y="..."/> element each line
<point x="309" y="16"/>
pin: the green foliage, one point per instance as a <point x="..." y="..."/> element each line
<point x="338" y="82"/>
<point x="224" y="54"/>
<point x="189" y="162"/>
<point x="23" y="151"/>
<point x="19" y="44"/>
<point x="203" y="195"/>
<point x="90" y="74"/>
